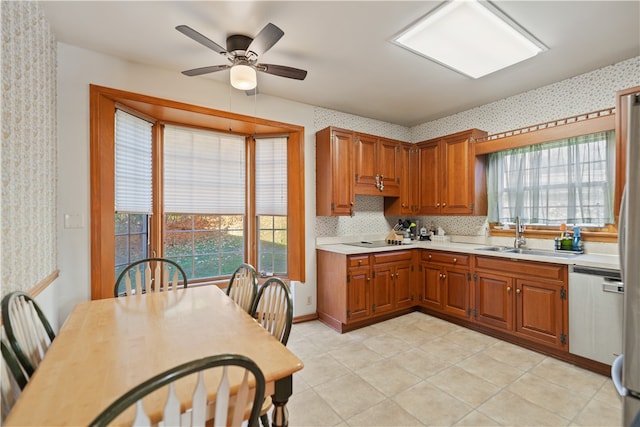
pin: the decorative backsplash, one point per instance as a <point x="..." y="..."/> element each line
<point x="29" y="164"/>
<point x="581" y="94"/>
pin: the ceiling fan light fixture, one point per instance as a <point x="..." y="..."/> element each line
<point x="243" y="77"/>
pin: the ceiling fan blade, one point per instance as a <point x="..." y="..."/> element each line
<point x="205" y="70"/>
<point x="193" y="34"/>
<point x="265" y="39"/>
<point x="282" y="71"/>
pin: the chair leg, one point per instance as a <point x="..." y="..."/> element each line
<point x="265" y="420"/>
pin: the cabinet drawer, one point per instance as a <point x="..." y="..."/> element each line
<point x="358" y="261"/>
<point x="446" y="258"/>
<point x="522" y="268"/>
<point x="382" y="257"/>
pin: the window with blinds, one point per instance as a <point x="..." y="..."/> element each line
<point x="133" y="188"/>
<point x="271" y="204"/>
<point x="205" y="187"/>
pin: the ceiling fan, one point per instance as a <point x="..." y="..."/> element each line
<point x="243" y="53"/>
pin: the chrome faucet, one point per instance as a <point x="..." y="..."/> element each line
<point x="519" y="241"/>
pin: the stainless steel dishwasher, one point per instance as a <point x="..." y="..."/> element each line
<point x="595" y="313"/>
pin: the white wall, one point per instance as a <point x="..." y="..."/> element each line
<point x="77" y="68"/>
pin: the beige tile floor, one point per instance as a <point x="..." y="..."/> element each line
<point x="417" y="370"/>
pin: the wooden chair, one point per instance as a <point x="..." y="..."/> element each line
<point x="28" y="331"/>
<point x="150" y="275"/>
<point x="273" y="309"/>
<point x="243" y="286"/>
<point x="12" y="380"/>
<point x="249" y="396"/>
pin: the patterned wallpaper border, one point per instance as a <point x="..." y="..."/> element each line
<point x="28" y="151"/>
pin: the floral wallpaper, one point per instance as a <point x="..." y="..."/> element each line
<point x="28" y="150"/>
<point x="585" y="93"/>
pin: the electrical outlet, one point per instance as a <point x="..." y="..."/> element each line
<point x="308" y="300"/>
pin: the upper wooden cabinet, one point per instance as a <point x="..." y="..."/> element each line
<point x="334" y="172"/>
<point x="350" y="163"/>
<point x="407" y="203"/>
<point x="451" y="178"/>
<point x="377" y="166"/>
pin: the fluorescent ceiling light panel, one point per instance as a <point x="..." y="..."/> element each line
<point x="472" y="37"/>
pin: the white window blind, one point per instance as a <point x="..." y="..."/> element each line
<point x="133" y="178"/>
<point x="204" y="172"/>
<point x="271" y="176"/>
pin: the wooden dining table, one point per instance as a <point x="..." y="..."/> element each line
<point x="108" y="346"/>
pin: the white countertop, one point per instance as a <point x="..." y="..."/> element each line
<point x="590" y="260"/>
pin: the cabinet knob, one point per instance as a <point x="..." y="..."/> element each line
<point x="429" y="257"/>
<point x="368" y="279"/>
<point x="437" y="205"/>
<point x="404" y="205"/>
<point x="444" y="276"/>
<point x="518" y="291"/>
<point x="508" y="288"/>
<point x="359" y="262"/>
<point x="397" y="275"/>
<point x="455" y="260"/>
<point x="444" y="204"/>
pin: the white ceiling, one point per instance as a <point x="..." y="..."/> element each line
<point x="345" y="46"/>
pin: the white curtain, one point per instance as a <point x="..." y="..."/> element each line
<point x="568" y="181"/>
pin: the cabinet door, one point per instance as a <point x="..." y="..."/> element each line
<point x="541" y="312"/>
<point x="389" y="161"/>
<point x="457" y="196"/>
<point x="342" y="174"/>
<point x="430" y="184"/>
<point x="457" y="291"/>
<point x="403" y="291"/>
<point x="358" y="305"/>
<point x="381" y="291"/>
<point x="430" y="286"/>
<point x="494" y="300"/>
<point x="366" y="164"/>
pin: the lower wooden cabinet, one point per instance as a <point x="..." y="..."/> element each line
<point x="527" y="299"/>
<point x="524" y="299"/>
<point x="354" y="288"/>
<point x="444" y="282"/>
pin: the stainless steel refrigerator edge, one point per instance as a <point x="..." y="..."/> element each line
<point x="629" y="240"/>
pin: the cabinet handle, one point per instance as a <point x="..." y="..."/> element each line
<point x="518" y="291"/>
<point x="508" y="288"/>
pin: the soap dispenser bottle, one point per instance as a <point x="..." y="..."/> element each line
<point x="577" y="242"/>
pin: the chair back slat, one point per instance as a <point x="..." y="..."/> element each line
<point x="141" y="416"/>
<point x="199" y="406"/>
<point x="222" y="400"/>
<point x="150" y="275"/>
<point x="172" y="408"/>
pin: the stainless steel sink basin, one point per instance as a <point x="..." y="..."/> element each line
<point x="526" y="251"/>
<point x="542" y="252"/>
<point x="494" y="248"/>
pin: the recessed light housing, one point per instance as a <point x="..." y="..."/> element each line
<point x="472" y="37"/>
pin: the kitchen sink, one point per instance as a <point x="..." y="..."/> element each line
<point x="494" y="248"/>
<point x="526" y="251"/>
<point x="542" y="252"/>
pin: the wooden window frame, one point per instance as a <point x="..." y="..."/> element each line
<point x="103" y="102"/>
<point x="586" y="124"/>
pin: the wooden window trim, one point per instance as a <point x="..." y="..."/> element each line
<point x="572" y="127"/>
<point x="103" y="102"/>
